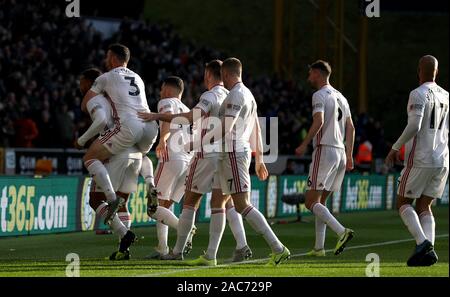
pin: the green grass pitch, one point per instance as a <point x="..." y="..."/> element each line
<point x="379" y="232"/>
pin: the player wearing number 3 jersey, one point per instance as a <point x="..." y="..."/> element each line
<point x="127" y="92"/>
<point x="332" y="123"/>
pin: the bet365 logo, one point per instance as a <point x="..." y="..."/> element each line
<point x="371" y="8"/>
<point x="73" y="9"/>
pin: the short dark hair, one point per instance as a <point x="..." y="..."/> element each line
<point x="321" y="65"/>
<point x="175" y="82"/>
<point x="214" y="67"/>
<point x="120" y="51"/>
<point x="233" y="65"/>
<point x="91" y="74"/>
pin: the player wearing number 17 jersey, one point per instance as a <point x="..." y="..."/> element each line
<point x="332" y="122"/>
<point x="426" y="160"/>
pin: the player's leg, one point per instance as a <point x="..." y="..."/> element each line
<point x="235" y="180"/>
<point x="124" y="176"/>
<point x="185" y="224"/>
<point x="149" y="135"/>
<point x="410" y="187"/>
<point x="327" y="173"/>
<point x="97" y="201"/>
<point x="216" y="224"/>
<point x="93" y="160"/>
<point x="162" y="229"/>
<point x="259" y="223"/>
<point x="242" y="251"/>
<point x="426" y="218"/>
<point x="147" y="173"/>
<point x="167" y="174"/>
<point x="123" y="212"/>
<point x="320" y="228"/>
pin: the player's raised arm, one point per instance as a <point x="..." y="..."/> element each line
<point x="416" y="110"/>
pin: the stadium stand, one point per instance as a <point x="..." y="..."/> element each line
<point x="43" y="52"/>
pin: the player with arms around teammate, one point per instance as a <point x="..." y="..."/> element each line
<point x="426" y="162"/>
<point x="332" y="122"/>
<point x="203" y="176"/>
<point x="239" y="120"/>
<point x="127" y="92"/>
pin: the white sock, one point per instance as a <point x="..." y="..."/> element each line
<point x="162" y="232"/>
<point x="101" y="210"/>
<point x="216" y="228"/>
<point x="116" y="225"/>
<point x="325" y="215"/>
<point x="165" y="216"/>
<point x="125" y="218"/>
<point x="101" y="177"/>
<point x="237" y="227"/>
<point x="428" y="225"/>
<point x="259" y="223"/>
<point x="411" y="220"/>
<point x="185" y="224"/>
<point x="147" y="171"/>
<point x="321" y="228"/>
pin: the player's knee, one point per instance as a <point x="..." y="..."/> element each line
<point x="309" y="203"/>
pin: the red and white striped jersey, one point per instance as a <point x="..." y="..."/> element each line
<point x="179" y="134"/>
<point x="429" y="148"/>
<point x="210" y="102"/>
<point x="336" y="110"/>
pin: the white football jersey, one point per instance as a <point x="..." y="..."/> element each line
<point x="240" y="103"/>
<point x="101" y="101"/>
<point x="335" y="110"/>
<point x="104" y="103"/>
<point x="126" y="90"/>
<point x="429" y="148"/>
<point x="210" y="102"/>
<point x="179" y="134"/>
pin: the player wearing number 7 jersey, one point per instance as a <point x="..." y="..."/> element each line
<point x="426" y="160"/>
<point x="332" y="122"/>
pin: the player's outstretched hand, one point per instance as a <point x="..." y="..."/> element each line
<point x="147" y="116"/>
<point x="392" y="158"/>
<point x="261" y="171"/>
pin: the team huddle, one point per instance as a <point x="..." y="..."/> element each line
<point x="208" y="149"/>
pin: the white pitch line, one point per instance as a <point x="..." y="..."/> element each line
<point x="292" y="256"/>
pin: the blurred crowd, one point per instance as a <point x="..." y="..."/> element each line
<point x="42" y="53"/>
